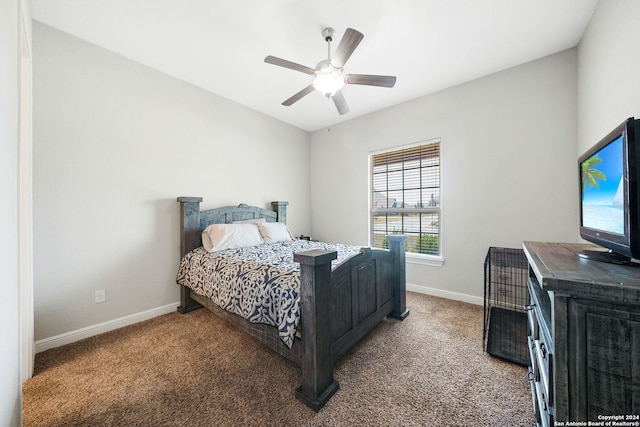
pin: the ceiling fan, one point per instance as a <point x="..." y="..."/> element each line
<point x="329" y="73"/>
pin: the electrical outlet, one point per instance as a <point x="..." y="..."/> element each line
<point x="101" y="296"/>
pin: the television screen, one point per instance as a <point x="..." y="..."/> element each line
<point x="610" y="195"/>
<point x="602" y="176"/>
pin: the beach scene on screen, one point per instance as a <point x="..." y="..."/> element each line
<point x="603" y="189"/>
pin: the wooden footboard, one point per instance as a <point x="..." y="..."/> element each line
<point x="338" y="307"/>
<point x="354" y="297"/>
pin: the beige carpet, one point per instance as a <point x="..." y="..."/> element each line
<point x="195" y="370"/>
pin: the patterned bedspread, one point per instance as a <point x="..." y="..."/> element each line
<point x="260" y="283"/>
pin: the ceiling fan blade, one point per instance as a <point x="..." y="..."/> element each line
<point x="348" y="44"/>
<point x="307" y="90"/>
<point x="288" y="64"/>
<point x="369" y="80"/>
<point x="340" y="103"/>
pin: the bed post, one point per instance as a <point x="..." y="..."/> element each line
<point x="317" y="385"/>
<point x="281" y="209"/>
<point x="397" y="248"/>
<point x="189" y="240"/>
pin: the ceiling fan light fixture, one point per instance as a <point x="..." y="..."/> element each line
<point x="328" y="80"/>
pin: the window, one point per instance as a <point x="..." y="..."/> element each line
<point x="405" y="197"/>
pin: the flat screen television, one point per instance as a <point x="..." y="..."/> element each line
<point x="610" y="195"/>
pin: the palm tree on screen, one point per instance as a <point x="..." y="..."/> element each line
<point x="590" y="175"/>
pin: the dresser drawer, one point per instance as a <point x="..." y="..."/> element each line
<point x="545" y="366"/>
<point x="546" y="418"/>
<point x="541" y="382"/>
<point x="536" y="408"/>
<point x="540" y="357"/>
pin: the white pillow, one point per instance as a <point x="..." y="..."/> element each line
<point x="249" y="221"/>
<point x="274" y="232"/>
<point x="227" y="236"/>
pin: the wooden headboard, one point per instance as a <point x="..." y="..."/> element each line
<point x="193" y="221"/>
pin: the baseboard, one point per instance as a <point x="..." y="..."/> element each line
<point x="100" y="328"/>
<point x="89" y="331"/>
<point x="445" y="294"/>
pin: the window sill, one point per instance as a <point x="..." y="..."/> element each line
<point x="432" y="261"/>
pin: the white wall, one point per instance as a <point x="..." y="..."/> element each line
<point x="508" y="168"/>
<point x="115" y="143"/>
<point x="608" y="70"/>
<point x="9" y="287"/>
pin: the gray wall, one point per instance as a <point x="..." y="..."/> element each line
<point x="508" y="168"/>
<point x="9" y="289"/>
<point x="115" y="143"/>
<point x="608" y="70"/>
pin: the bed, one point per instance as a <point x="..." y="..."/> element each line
<point x="339" y="302"/>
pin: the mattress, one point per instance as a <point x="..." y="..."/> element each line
<point x="260" y="283"/>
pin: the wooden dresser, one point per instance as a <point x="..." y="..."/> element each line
<point x="584" y="336"/>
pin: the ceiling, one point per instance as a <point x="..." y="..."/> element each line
<point x="220" y="45"/>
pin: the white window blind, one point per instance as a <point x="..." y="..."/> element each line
<point x="405" y="198"/>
